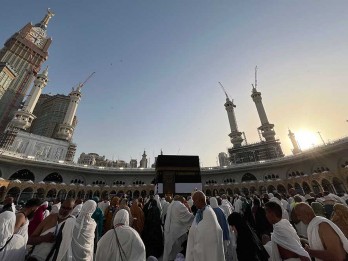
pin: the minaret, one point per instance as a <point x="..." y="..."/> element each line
<point x="294" y="142"/>
<point x="66" y="129"/>
<point x="235" y="135"/>
<point x="24" y="117"/>
<point x="143" y="161"/>
<point x="266" y="128"/>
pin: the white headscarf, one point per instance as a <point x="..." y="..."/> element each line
<point x="78" y="235"/>
<point x="214" y="202"/>
<point x="121" y="217"/>
<point x="128" y="238"/>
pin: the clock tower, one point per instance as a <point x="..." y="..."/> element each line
<point x="25" y="51"/>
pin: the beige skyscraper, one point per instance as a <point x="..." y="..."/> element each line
<point x="25" y="52"/>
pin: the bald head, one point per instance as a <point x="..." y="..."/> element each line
<point x="304" y="212"/>
<point x="199" y="199"/>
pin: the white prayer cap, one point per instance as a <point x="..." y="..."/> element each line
<point x="121" y="217"/>
<point x="270" y="195"/>
<point x="45" y="204"/>
<point x="213" y="202"/>
<point x="151" y="258"/>
<point x="7" y="225"/>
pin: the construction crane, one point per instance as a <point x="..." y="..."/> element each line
<point x="89" y="77"/>
<point x="223" y="89"/>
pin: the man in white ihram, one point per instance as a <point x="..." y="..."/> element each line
<point x="177" y="223"/>
<point x="205" y="237"/>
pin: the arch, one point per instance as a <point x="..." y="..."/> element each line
<point x="51" y="194"/>
<point x="281" y="189"/>
<point x="271" y="189"/>
<point x="338" y="185"/>
<point x="40" y="193"/>
<point x="136" y="194"/>
<point x="327" y="186"/>
<point x="53" y="177"/>
<point x="23" y="175"/>
<point x="215" y="192"/>
<point x="129" y="194"/>
<point x="290" y="186"/>
<point x="262" y="190"/>
<point x="81" y="194"/>
<point x="112" y="193"/>
<point x="248" y="177"/>
<point x="236" y="191"/>
<point x="89" y="194"/>
<point x="26" y="194"/>
<point x="316" y="187"/>
<point x="208" y="193"/>
<point x="245" y="191"/>
<point x="96" y="193"/>
<point x="152" y="192"/>
<point x="143" y="193"/>
<point x="229" y="192"/>
<point x="298" y="189"/>
<point x="13" y="192"/>
<point x="79" y="180"/>
<point x="306" y="187"/>
<point x="62" y="194"/>
<point x="104" y="194"/>
<point x="2" y="192"/>
<point x="221" y="192"/>
<point x="71" y="194"/>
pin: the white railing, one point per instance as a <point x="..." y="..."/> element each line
<point x="16" y="155"/>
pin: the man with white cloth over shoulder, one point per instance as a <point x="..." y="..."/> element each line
<point x="12" y="246"/>
<point x="176" y="225"/>
<point x="205" y="236"/>
<point x="286" y="244"/>
<point x="122" y="242"/>
<point x="78" y="235"/>
<point x="326" y="241"/>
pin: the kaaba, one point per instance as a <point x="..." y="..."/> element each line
<point x="177" y="174"/>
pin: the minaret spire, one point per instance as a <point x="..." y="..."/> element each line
<point x="235" y="135"/>
<point x="294" y="142"/>
<point x="266" y="128"/>
<point x="44" y="22"/>
<point x="24" y="117"/>
<point x="66" y="130"/>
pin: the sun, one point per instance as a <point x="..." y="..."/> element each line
<point x="307" y="139"/>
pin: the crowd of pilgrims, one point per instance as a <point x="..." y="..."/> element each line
<point x="197" y="228"/>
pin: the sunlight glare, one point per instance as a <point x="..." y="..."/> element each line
<point x="307" y="139"/>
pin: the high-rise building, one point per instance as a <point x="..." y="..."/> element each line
<point x="7" y="75"/>
<point x="25" y="51"/>
<point x="223" y="159"/>
<point x="133" y="163"/>
<point x="50" y="111"/>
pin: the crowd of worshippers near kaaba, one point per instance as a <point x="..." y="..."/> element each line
<point x="194" y="228"/>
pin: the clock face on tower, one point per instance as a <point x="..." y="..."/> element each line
<point x="36" y="37"/>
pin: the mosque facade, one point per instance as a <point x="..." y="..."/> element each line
<point x="33" y="165"/>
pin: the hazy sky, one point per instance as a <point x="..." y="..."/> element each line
<point x="158" y="63"/>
